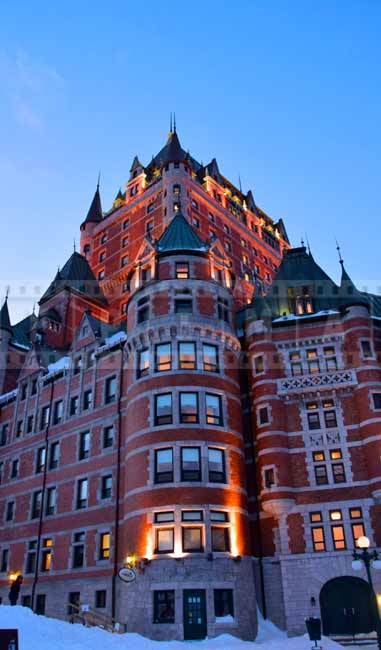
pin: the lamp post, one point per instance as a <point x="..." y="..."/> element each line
<point x="369" y="559"/>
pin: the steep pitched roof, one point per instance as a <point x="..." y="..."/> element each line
<point x="95" y="214"/>
<point x="22" y="330"/>
<point x="171" y="152"/>
<point x="75" y="274"/>
<point x="180" y="236"/>
<point x="5" y="321"/>
<point x="349" y="294"/>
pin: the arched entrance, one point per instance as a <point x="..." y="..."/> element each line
<point x="347" y="606"/>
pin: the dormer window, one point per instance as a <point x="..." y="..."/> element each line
<point x="146" y="274"/>
<point x="303" y="302"/>
<point x="177" y="189"/>
<point x="182" y="270"/>
<point x="53" y="327"/>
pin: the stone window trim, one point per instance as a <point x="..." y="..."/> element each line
<point x="259" y="355"/>
<point x="178" y="524"/>
<point x="176" y="456"/>
<point x="76" y="482"/>
<point x="73" y="543"/>
<point x="372" y="401"/>
<point x="201" y="397"/>
<point x="259" y="407"/>
<point x="264" y="469"/>
<point x="100" y="498"/>
<point x="97" y="550"/>
<point x="303" y="346"/>
<point x="326" y="524"/>
<point x="7" y="502"/>
<point x="367" y="341"/>
<point x="106" y="380"/>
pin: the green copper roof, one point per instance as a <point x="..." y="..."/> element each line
<point x="180" y="236"/>
<point x="21" y="332"/>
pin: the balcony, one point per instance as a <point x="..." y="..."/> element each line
<point x="320" y="381"/>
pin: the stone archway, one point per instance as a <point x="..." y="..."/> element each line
<point x="347" y="606"/>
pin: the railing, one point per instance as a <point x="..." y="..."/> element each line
<point x="92" y="618"/>
<point x="321" y="381"/>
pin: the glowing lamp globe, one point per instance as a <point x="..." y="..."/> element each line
<point x="363" y="542"/>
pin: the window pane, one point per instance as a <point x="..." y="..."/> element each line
<point x="164" y="540"/>
<point x="192" y="539"/>
<point x="188" y="407"/>
<point x="358" y="530"/>
<point x="163" y="357"/>
<point x="143" y="363"/>
<point x="216" y="461"/>
<point x="190" y="464"/>
<point x="164" y="465"/>
<point x="318" y="539"/>
<point x="192" y="515"/>
<point x="161" y="517"/>
<point x="220" y="539"/>
<point x="164" y="606"/>
<point x="213" y="409"/>
<point x="321" y="475"/>
<point x="338" y="472"/>
<point x="182" y="270"/>
<point x="187" y="355"/>
<point x="163" y="409"/>
<point x="223" y="602"/>
<point x="338" y="538"/>
<point x="210" y="357"/>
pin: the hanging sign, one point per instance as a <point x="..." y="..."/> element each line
<point x="127" y="574"/>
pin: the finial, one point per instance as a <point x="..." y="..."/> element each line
<point x="170" y="123"/>
<point x="34" y="308"/>
<point x="99" y="180"/>
<point x="339" y="253"/>
<point x="7" y="292"/>
<point x="308" y="245"/>
<point x="302" y="241"/>
<point x="240" y="184"/>
<point x="74" y="245"/>
<point x="174" y="122"/>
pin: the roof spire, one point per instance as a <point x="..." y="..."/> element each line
<point x="339" y="253"/>
<point x="99" y="180"/>
<point x="5" y="322"/>
<point x="174" y="122"/>
<point x="95" y="214"/>
<point x="170" y="125"/>
<point x="308" y="245"/>
<point x="302" y="242"/>
<point x="240" y="184"/>
<point x="73" y="246"/>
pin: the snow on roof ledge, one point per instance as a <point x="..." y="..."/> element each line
<point x="61" y="364"/>
<point x="8" y="396"/>
<point x="118" y="337"/>
<point x="325" y="312"/>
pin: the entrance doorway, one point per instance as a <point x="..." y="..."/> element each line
<point x="347" y="607"/>
<point x="195" y="626"/>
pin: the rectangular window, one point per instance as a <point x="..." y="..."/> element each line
<point x="84" y="445"/>
<point x="192" y="515"/>
<point x="143" y="313"/>
<point x="220" y="539"/>
<point x="338" y="472"/>
<point x="258" y="364"/>
<point x="100" y="598"/>
<point x="87" y="399"/>
<point x="30" y="564"/>
<point x="82" y="493"/>
<point x="213" y="409"/>
<point x="15" y="468"/>
<point x="164" y="465"/>
<point x="321" y="475"/>
<point x="318" y="456"/>
<point x="263" y="415"/>
<point x="313" y="420"/>
<point x="313" y="366"/>
<point x="4" y="560"/>
<point x="19" y="429"/>
<point x="73" y="603"/>
<point x="216" y="465"/>
<point x="143" y="362"/>
<point x="318" y="539"/>
<point x="223" y="309"/>
<point x="358" y="531"/>
<point x="335" y="454"/>
<point x="335" y="515"/>
<point x="10" y="511"/>
<point x="40" y="459"/>
<point x="192" y="540"/>
<point x="78" y="550"/>
<point x="54" y="455"/>
<point x="315" y="517"/>
<point x="46" y="554"/>
<point x="210" y="357"/>
<point x="36" y="504"/>
<point x="338" y="538"/>
<point x="164" y="540"/>
<point x="58" y="412"/>
<point x="183" y="306"/>
<point x="219" y="515"/>
<point x="108" y="437"/>
<point x="366" y="349"/>
<point x="355" y="513"/>
<point x="164" y="517"/>
<point x="163" y="357"/>
<point x="163" y="409"/>
<point x="74" y="404"/>
<point x="77" y="365"/>
<point x="110" y="390"/>
<point x="190" y="464"/>
<point x="29" y="424"/>
<point x="4" y="434"/>
<point x="376" y="401"/>
<point x="164" y="606"/>
<point x="223" y="603"/>
<point x="330" y="419"/>
<point x="187" y="356"/>
<point x="45" y="412"/>
<point x="269" y="476"/>
<point x="104" y="546"/>
<point x="182" y="270"/>
<point x="50" y="501"/>
<point x="106" y="487"/>
<point x="188" y="407"/>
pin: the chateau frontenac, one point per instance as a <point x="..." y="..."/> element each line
<point x="190" y="422"/>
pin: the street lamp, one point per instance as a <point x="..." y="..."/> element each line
<point x="367" y="558"/>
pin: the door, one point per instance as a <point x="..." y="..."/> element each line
<point x="194" y="614"/>
<point x="40" y="604"/>
<point x="347" y="607"/>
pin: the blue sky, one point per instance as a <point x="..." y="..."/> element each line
<point x="286" y="94"/>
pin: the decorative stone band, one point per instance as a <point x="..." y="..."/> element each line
<point x="339" y="379"/>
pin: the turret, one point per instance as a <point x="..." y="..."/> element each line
<point x="5" y="338"/>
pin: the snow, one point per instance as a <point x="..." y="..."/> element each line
<point x="325" y="312"/>
<point x="115" y="338"/>
<point x="61" y="364"/>
<point x="42" y="633"/>
<point x="7" y="396"/>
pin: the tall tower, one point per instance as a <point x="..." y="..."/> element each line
<point x="183" y="489"/>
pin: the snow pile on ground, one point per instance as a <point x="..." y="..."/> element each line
<point x="41" y="633"/>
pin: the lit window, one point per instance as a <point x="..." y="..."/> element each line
<point x="164" y="540"/>
<point x="143" y="362"/>
<point x="335" y="454"/>
<point x="315" y="517"/>
<point x="335" y="515"/>
<point x="182" y="270"/>
<point x="358" y="531"/>
<point x="192" y="540"/>
<point x="46" y="554"/>
<point x="338" y="538"/>
<point x="220" y="539"/>
<point x="318" y="539"/>
<point x="104" y="546"/>
<point x="210" y="357"/>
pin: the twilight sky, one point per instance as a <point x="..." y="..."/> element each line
<point x="285" y="94"/>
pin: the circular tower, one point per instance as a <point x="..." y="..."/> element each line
<point x="184" y="502"/>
